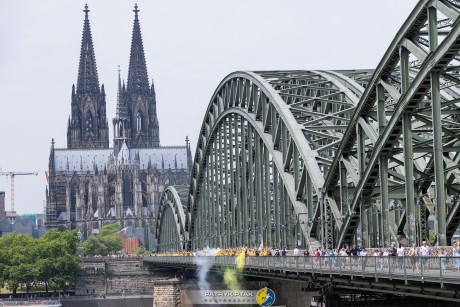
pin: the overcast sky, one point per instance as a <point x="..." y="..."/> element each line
<point x="190" y="46"/>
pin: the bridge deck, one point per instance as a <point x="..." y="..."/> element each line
<point x="397" y="275"/>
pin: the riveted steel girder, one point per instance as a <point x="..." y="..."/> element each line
<point x="336" y="157"/>
<point x="291" y="123"/>
<point x="415" y="91"/>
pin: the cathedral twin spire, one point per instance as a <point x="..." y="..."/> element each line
<point x="136" y="104"/>
<point x="87" y="126"/>
<point x="88" y="81"/>
<point x="138" y="79"/>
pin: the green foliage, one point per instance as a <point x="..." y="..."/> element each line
<point x="110" y="229"/>
<point x="95" y="246"/>
<point x="113" y="243"/>
<point x="105" y="242"/>
<point x="102" y="245"/>
<point x="24" y="260"/>
<point x="60" y="247"/>
<point x="141" y="251"/>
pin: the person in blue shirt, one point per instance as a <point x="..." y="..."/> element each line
<point x="332" y="254"/>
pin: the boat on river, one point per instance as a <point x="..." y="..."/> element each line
<point x="34" y="303"/>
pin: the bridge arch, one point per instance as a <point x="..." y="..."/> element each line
<point x="353" y="156"/>
<point x="411" y="97"/>
<point x="171" y="232"/>
<point x="256" y="177"/>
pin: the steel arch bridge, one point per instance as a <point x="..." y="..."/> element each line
<point x="171" y="218"/>
<point x="289" y="158"/>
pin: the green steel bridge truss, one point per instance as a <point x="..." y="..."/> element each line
<point x="289" y="158"/>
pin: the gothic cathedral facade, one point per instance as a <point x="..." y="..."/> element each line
<point x="91" y="184"/>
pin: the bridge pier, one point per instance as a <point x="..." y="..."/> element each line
<point x="167" y="293"/>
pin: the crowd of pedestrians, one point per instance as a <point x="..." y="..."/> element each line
<point x="421" y="257"/>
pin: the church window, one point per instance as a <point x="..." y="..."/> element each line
<point x="89" y="122"/>
<point x="73" y="202"/>
<point x="139" y="121"/>
<point x="144" y="194"/>
<point x="128" y="195"/>
<point x="120" y="130"/>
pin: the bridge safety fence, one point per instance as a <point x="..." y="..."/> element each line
<point x="427" y="269"/>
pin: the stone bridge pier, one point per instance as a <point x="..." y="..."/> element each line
<point x="167" y="293"/>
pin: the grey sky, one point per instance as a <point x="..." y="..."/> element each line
<point x="190" y="47"/>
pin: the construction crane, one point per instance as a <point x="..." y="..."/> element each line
<point x="12" y="175"/>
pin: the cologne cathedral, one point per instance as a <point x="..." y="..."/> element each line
<point x="91" y="184"/>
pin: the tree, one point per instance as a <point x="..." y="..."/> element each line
<point x="18" y="257"/>
<point x="113" y="243"/>
<point x="67" y="265"/>
<point x="141" y="251"/>
<point x="97" y="245"/>
<point x="110" y="229"/>
<point x="58" y="263"/>
<point x="105" y="242"/>
<point x="51" y="259"/>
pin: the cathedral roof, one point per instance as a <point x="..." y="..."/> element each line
<point x="162" y="158"/>
<point x="81" y="159"/>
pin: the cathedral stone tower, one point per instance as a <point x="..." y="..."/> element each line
<point x="88" y="126"/>
<point x="92" y="185"/>
<point x="136" y="120"/>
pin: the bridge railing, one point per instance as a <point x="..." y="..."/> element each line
<point x="427" y="269"/>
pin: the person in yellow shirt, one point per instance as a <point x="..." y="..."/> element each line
<point x="265" y="252"/>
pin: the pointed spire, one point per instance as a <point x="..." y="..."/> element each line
<point x="138" y="79"/>
<point x="121" y="105"/>
<point x="51" y="160"/>
<point x="189" y="154"/>
<point x="152" y="89"/>
<point x="88" y="125"/>
<point x="88" y="81"/>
